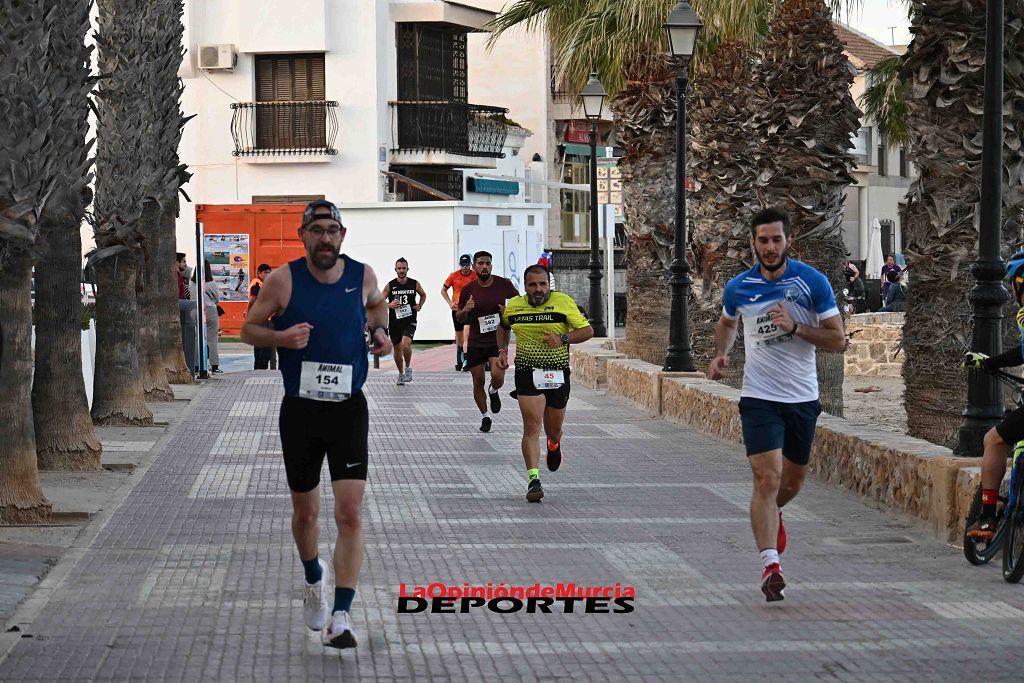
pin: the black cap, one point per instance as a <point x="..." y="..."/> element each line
<point x="465" y="260"/>
<point x="320" y="208"/>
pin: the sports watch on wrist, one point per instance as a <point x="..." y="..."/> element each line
<point x="565" y="338"/>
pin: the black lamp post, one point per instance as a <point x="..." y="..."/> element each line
<point x="987" y="297"/>
<point x="681" y="31"/>
<point x="593" y="96"/>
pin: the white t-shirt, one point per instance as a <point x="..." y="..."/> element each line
<point x="779" y="366"/>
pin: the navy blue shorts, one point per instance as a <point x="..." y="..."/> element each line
<point x="770" y="425"/>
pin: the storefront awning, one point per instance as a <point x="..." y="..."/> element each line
<point x="488" y="186"/>
<point x="584" y="150"/>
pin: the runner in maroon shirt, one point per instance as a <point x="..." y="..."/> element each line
<point x="480" y="305"/>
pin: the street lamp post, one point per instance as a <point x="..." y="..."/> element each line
<point x="681" y="31"/>
<point x="987" y="297"/>
<point x="593" y="96"/>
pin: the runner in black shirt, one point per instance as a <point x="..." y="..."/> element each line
<point x="403" y="308"/>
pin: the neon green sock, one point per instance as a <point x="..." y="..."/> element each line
<point x="534" y="473"/>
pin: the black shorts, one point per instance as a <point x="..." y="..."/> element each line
<point x="312" y="429"/>
<point x="554" y="398"/>
<point x="771" y="425"/>
<point x="399" y="330"/>
<point x="479" y="355"/>
<point x="1011" y="428"/>
<point x="455" y="321"/>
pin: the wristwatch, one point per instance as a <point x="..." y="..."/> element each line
<point x="565" y="338"/>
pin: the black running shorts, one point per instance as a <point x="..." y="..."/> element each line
<point x="397" y="331"/>
<point x="312" y="429"/>
<point x="455" y="322"/>
<point x="479" y="355"/>
<point x="1011" y="429"/>
<point x="554" y="398"/>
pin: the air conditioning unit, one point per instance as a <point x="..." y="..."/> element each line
<point x="217" y="57"/>
<point x="394" y="197"/>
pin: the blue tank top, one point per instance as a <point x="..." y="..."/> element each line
<point x="338" y="317"/>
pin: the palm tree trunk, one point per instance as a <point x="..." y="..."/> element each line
<point x="645" y="111"/>
<point x="65" y="437"/>
<point x="174" y="365"/>
<point x="21" y="498"/>
<point x="945" y="124"/>
<point x="118" y="398"/>
<point x="804" y="119"/>
<point x="151" y="357"/>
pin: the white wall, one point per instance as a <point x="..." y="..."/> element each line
<point x="513" y="74"/>
<point x="361" y="82"/>
<point x="429" y="236"/>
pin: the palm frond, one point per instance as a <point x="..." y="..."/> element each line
<point x="885" y="100"/>
<point x="623" y="39"/>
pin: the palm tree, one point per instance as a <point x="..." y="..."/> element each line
<point x="159" y="339"/>
<point x="29" y="170"/>
<point x="721" y="158"/>
<point x="932" y="97"/>
<point x="123" y="175"/>
<point x="803" y="126"/>
<point x="622" y="41"/>
<point x="65" y="437"/>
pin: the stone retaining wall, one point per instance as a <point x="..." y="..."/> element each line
<point x="875" y="340"/>
<point x="891" y="470"/>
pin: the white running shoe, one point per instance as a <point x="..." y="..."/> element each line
<point x="408" y="374"/>
<point x="401" y="379"/>
<point x="339" y="632"/>
<point x="314" y="602"/>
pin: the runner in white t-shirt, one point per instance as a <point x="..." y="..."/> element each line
<point x="788" y="310"/>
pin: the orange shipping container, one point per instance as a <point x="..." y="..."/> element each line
<point x="237" y="239"/>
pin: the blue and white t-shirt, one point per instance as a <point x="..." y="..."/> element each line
<point x="779" y="366"/>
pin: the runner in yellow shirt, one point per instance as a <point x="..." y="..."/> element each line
<point x="545" y="324"/>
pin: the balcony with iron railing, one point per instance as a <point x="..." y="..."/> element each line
<point x="269" y="129"/>
<point x="442" y="132"/>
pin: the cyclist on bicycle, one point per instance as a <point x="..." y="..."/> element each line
<point x="1000" y="439"/>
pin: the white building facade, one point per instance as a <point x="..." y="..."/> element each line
<point x="365" y="103"/>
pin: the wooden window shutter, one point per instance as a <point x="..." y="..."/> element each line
<point x="291" y="78"/>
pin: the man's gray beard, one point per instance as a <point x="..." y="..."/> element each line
<point x="324" y="261"/>
<point x="542" y="301"/>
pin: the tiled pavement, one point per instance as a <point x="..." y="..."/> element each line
<point x="195" y="576"/>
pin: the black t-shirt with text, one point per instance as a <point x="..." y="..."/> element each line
<point x="405" y="294"/>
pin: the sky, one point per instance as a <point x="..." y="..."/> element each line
<point x="875" y="17"/>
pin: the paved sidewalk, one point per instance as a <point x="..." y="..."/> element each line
<point x="195" y="576"/>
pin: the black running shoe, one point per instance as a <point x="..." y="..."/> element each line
<point x="534" y="492"/>
<point x="555" y="458"/>
<point x="513" y="394"/>
<point x="495" y="403"/>
<point x="485" y="424"/>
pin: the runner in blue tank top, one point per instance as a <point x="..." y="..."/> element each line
<point x="788" y="310"/>
<point x="320" y="306"/>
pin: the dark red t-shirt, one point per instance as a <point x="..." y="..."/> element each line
<point x="486" y="300"/>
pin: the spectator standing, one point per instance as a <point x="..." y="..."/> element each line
<point x="890" y="267"/>
<point x="211" y="297"/>
<point x="188" y="312"/>
<point x="261" y="354"/>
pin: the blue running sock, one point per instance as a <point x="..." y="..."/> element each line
<point x="343" y="599"/>
<point x="313" y="571"/>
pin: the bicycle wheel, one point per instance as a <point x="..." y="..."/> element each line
<point x="980" y="553"/>
<point x="1013" y="552"/>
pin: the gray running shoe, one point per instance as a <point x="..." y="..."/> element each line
<point x="401" y="379"/>
<point x="339" y="632"/>
<point x="408" y="374"/>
